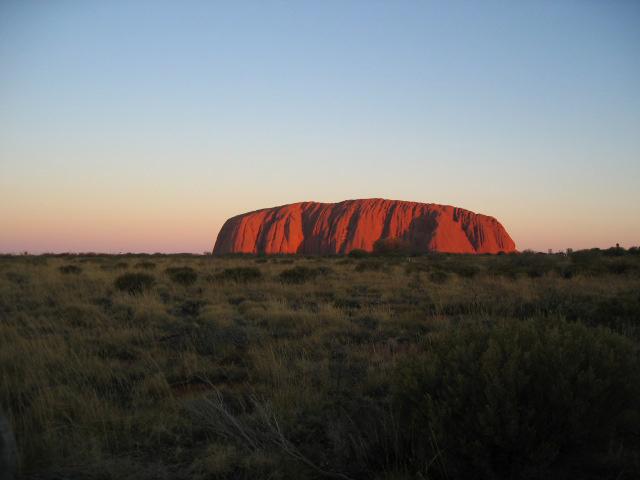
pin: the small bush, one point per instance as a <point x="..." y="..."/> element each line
<point x="185" y="276"/>
<point x="346" y="303"/>
<point x="70" y="269"/>
<point x="284" y="261"/>
<point x="297" y="275"/>
<point x="416" y="267"/>
<point x="616" y="251"/>
<point x="146" y="265"/>
<point x="207" y="338"/>
<point x="134" y="283"/>
<point x="358" y="253"/>
<point x="620" y="267"/>
<point x="17" y="278"/>
<point x="80" y="315"/>
<point x="189" y="308"/>
<point x="567" y="272"/>
<point x="240" y="274"/>
<point x="439" y="277"/>
<point x="466" y="270"/>
<point x="322" y="270"/>
<point x="521" y="399"/>
<point x="370" y="266"/>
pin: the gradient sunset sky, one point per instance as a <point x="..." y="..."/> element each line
<point x="141" y="126"/>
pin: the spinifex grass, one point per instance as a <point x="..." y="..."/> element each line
<point x="242" y="369"/>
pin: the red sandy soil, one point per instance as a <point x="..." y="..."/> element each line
<point x="338" y="228"/>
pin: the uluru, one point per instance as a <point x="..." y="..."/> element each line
<point x="338" y="228"/>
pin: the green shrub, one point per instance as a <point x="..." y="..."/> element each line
<point x="620" y="267"/>
<point x="567" y="272"/>
<point x="346" y="303"/>
<point x="80" y="315"/>
<point x="465" y="270"/>
<point x="189" y="308"/>
<point x="207" y="338"/>
<point x="521" y="399"/>
<point x="146" y="265"/>
<point x="240" y="274"/>
<point x="416" y="267"/>
<point x="70" y="269"/>
<point x="527" y="263"/>
<point x="370" y="266"/>
<point x="588" y="262"/>
<point x="439" y="277"/>
<point x="616" y="251"/>
<point x="300" y="274"/>
<point x="17" y="278"/>
<point x="322" y="270"/>
<point x="134" y="283"/>
<point x="284" y="261"/>
<point x="185" y="276"/>
<point x="358" y="253"/>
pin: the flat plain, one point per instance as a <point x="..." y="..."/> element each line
<point x="390" y="367"/>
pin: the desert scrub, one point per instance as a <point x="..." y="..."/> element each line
<point x="371" y="266"/>
<point x="301" y="274"/>
<point x="146" y="265"/>
<point x="240" y="274"/>
<point x="358" y="253"/>
<point x="184" y="276"/>
<point x="17" y="278"/>
<point x="134" y="283"/>
<point x="70" y="269"/>
<point x="438" y="277"/>
<point x="298" y="274"/>
<point x="520" y="399"/>
<point x="96" y="384"/>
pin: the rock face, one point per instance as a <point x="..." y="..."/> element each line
<point x="338" y="228"/>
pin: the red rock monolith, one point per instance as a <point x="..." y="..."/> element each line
<point x="338" y="228"/>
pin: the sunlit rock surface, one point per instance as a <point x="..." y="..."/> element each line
<point x="338" y="228"/>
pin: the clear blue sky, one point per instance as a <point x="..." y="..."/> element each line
<point x="141" y="126"/>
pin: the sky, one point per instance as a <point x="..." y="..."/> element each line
<point x="140" y="126"/>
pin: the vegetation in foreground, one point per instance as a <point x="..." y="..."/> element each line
<point x="388" y="367"/>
